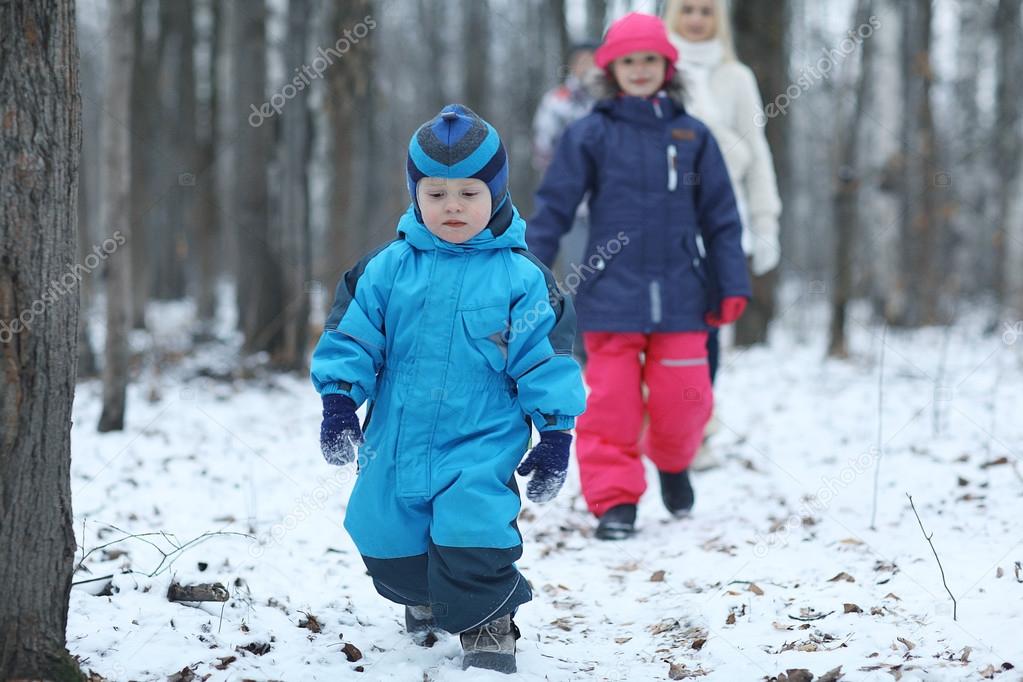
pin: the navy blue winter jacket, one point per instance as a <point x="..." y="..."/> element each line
<point x="665" y="235"/>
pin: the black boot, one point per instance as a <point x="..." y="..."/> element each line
<point x="677" y="493"/>
<point x="617" y="523"/>
<point x="419" y="623"/>
<point x="491" y="646"/>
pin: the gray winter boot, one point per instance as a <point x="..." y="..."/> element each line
<point x="491" y="645"/>
<point x="419" y="623"/>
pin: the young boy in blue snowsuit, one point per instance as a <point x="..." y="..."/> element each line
<point x="460" y="341"/>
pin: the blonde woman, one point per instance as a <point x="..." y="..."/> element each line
<point x="722" y="92"/>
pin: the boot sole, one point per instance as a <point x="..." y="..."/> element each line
<point x="615" y="532"/>
<point x="489" y="660"/>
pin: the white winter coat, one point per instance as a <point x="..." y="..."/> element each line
<point x="723" y="94"/>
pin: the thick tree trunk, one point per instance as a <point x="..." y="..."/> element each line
<point x="477" y="69"/>
<point x="40" y="141"/>
<point x="260" y="282"/>
<point x="847" y="192"/>
<point x="145" y="94"/>
<point x="207" y="217"/>
<point x="596" y="15"/>
<point x="762" y="43"/>
<point x="294" y="151"/>
<point x="919" y="284"/>
<point x="178" y="163"/>
<point x="348" y="83"/>
<point x="116" y="197"/>
<point x="1008" y="146"/>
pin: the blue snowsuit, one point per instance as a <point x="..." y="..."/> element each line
<point x="665" y="234"/>
<point x="459" y="348"/>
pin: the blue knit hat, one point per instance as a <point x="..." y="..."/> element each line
<point x="457" y="143"/>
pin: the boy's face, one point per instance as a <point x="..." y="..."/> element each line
<point x="454" y="210"/>
<point x="640" y="74"/>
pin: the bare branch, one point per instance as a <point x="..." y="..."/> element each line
<point x="940" y="567"/>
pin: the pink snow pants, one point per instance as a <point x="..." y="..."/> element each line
<point x="679" y="404"/>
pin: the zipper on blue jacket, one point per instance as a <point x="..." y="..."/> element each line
<point x="655" y="302"/>
<point x="657" y="108"/>
<point x="672" y="170"/>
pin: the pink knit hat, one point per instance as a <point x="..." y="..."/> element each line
<point x="636" y="32"/>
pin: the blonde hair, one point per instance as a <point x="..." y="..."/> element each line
<point x="722" y="18"/>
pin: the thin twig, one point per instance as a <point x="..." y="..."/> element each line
<point x="880" y="426"/>
<point x="940" y="567"/>
<point x="167" y="558"/>
<point x="92" y="580"/>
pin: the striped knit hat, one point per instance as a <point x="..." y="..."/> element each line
<point x="457" y="143"/>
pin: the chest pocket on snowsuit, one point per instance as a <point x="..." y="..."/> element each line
<point x="487" y="329"/>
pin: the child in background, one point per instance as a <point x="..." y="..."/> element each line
<point x="664" y="265"/>
<point x="461" y="341"/>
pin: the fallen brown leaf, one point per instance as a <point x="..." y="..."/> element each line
<point x="351" y="652"/>
<point x="909" y="645"/>
<point x="225" y="661"/>
<point x="755" y="589"/>
<point x="995" y="462"/>
<point x="842" y="576"/>
<point x="310" y="623"/>
<point x="852" y="608"/>
<point x="730" y="620"/>
<point x="833" y="675"/>
<point x="657" y="577"/>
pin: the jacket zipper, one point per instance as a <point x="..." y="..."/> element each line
<point x="655" y="302"/>
<point x="672" y="170"/>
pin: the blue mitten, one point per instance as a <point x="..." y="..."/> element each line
<point x="549" y="461"/>
<point x="340" y="433"/>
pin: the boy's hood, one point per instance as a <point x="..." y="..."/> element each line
<point x="505" y="230"/>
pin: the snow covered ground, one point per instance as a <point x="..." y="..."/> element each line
<point x="219" y="474"/>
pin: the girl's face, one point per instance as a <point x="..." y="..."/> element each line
<point x="696" y="20"/>
<point x="454" y="210"/>
<point x="640" y="74"/>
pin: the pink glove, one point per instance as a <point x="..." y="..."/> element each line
<point x="732" y="308"/>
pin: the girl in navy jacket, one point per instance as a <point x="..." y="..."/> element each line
<point x="663" y="266"/>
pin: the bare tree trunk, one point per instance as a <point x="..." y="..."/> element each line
<point x="477" y="67"/>
<point x="762" y="41"/>
<point x="1007" y="144"/>
<point x="919" y="284"/>
<point x="559" y="18"/>
<point x="115" y="209"/>
<point x="847" y="192"/>
<point x="207" y="218"/>
<point x="260" y="281"/>
<point x="87" y="216"/>
<point x="596" y="15"/>
<point x="294" y="151"/>
<point x="348" y="83"/>
<point x="144" y="159"/>
<point x="177" y="110"/>
<point x="39" y="154"/>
